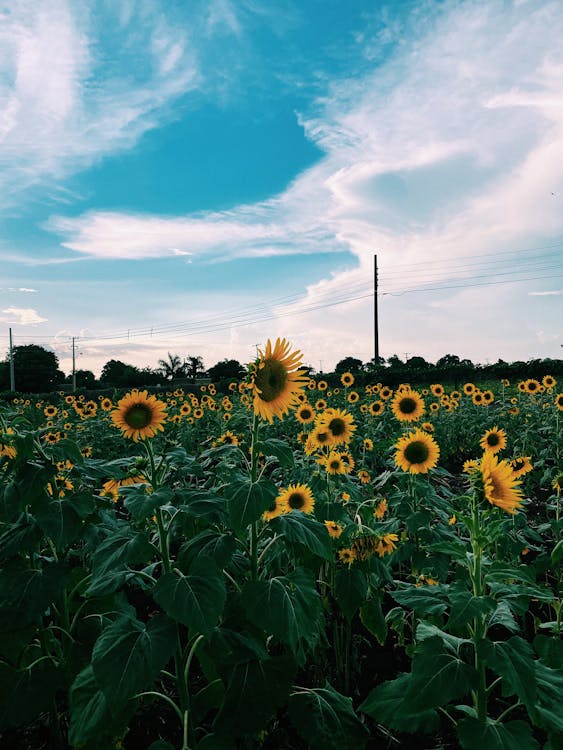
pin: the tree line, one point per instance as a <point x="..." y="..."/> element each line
<point x="37" y="371"/>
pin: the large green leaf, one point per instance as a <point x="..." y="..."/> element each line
<point x="477" y="735"/>
<point x="25" y="693"/>
<point x="350" y="590"/>
<point x="503" y="616"/>
<point x="142" y="503"/>
<point x="247" y="501"/>
<point x="89" y="711"/>
<point x="278" y="448"/>
<point x="372" y="617"/>
<point x="119" y="549"/>
<point x="465" y="607"/>
<point x="326" y="719"/>
<point x="302" y="530"/>
<point x="210" y="543"/>
<point x="425" y="600"/>
<point x="549" y="685"/>
<point x="197" y="599"/>
<point x="386" y="704"/>
<point x="129" y="655"/>
<point x="231" y="647"/>
<point x="288" y="607"/>
<point x="25" y="593"/>
<point x="19" y="538"/>
<point x="255" y="690"/>
<point x="201" y="504"/>
<point x="59" y="521"/>
<point x="438" y="677"/>
<point x="513" y="660"/>
<point x="452" y="643"/>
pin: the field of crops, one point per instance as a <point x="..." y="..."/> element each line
<point x="280" y="564"/>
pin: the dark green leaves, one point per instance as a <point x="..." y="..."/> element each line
<point x="247" y="501"/>
<point x="477" y="735"/>
<point x="326" y="719"/>
<point x="303" y="531"/>
<point x="129" y="655"/>
<point x="196" y="599"/>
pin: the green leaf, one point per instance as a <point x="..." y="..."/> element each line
<point x="425" y="630"/>
<point x="201" y="504"/>
<point x="549" y="684"/>
<point x="214" y="742"/>
<point x="142" y="504"/>
<point x="550" y="650"/>
<point x="386" y="704"/>
<point x="60" y="521"/>
<point x="513" y="660"/>
<point x="89" y="711"/>
<point x="231" y="647"/>
<point x="278" y="448"/>
<point x="247" y="501"/>
<point x="302" y="530"/>
<point x="477" y="735"/>
<point x="119" y="549"/>
<point x="196" y="600"/>
<point x="438" y="677"/>
<point x="209" y="543"/>
<point x="326" y="720"/>
<point x="25" y="593"/>
<point x="557" y="553"/>
<point x="424" y="600"/>
<point x="465" y="607"/>
<point x="25" y="693"/>
<point x="19" y="538"/>
<point x="256" y="689"/>
<point x="129" y="655"/>
<point x="503" y="616"/>
<point x="350" y="590"/>
<point x="288" y="607"/>
<point x="372" y="617"/>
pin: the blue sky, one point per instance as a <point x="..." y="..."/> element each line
<point x="196" y="177"/>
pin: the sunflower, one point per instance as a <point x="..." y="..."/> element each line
<point x="470" y="466"/>
<point x="277" y="508"/>
<point x="139" y="415"/>
<point x="345" y="497"/>
<point x="227" y="438"/>
<point x="532" y="385"/>
<point x="87" y="452"/>
<point x="364" y="476"/>
<point x="51" y="438"/>
<point x="434" y="406"/>
<point x="549" y="382"/>
<point x="322" y="385"/>
<point x="521" y="465"/>
<point x="477" y="397"/>
<point x="185" y="409"/>
<point x="559" y="401"/>
<point x="334" y="529"/>
<point x="488" y="397"/>
<point x="347" y="379"/>
<point x="437" y="389"/>
<point x="50" y="411"/>
<point x="493" y="440"/>
<point x="320" y="437"/>
<point x="198" y="412"/>
<point x="368" y="444"/>
<point x="417" y="452"/>
<point x="106" y="404"/>
<point x="500" y="484"/>
<point x="297" y="497"/>
<point x="348" y="461"/>
<point x="376" y="408"/>
<point x="305" y="413"/>
<point x="469" y="389"/>
<point x="386" y="544"/>
<point x="407" y="405"/>
<point x="347" y="555"/>
<point x="385" y="393"/>
<point x="339" y="424"/>
<point x="320" y="404"/>
<point x="276" y="380"/>
<point x="353" y="397"/>
<point x="334" y="464"/>
<point x="427" y="426"/>
<point x="112" y="486"/>
<point x="381" y="509"/>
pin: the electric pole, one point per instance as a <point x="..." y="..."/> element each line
<point x="375" y="317"/>
<point x="73" y="367"/>
<point x="12" y="375"/>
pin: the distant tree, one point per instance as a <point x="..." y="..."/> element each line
<point x="120" y="375"/>
<point x="4" y="376"/>
<point x="349" y="364"/>
<point x="84" y="379"/>
<point x="227" y="369"/>
<point x="394" y="361"/>
<point x="173" y="367"/>
<point x="194" y="367"/>
<point x="448" y="360"/>
<point x="36" y="369"/>
<point x="417" y="363"/>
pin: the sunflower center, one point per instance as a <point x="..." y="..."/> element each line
<point x="334" y="464"/>
<point x="493" y="439"/>
<point x="322" y="437"/>
<point x="296" y="501"/>
<point x="271" y="379"/>
<point x="305" y="414"/>
<point x="417" y="452"/>
<point x="337" y="426"/>
<point x="407" y="405"/>
<point x="138" y="416"/>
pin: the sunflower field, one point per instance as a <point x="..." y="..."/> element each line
<point x="283" y="564"/>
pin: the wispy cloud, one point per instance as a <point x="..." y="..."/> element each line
<point x="23" y="316"/>
<point x="553" y="293"/>
<point x="23" y="289"/>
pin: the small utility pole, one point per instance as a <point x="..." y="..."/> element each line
<point x="12" y="374"/>
<point x="375" y="317"/>
<point x="73" y="367"/>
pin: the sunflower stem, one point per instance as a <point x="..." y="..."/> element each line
<point x="479" y="628"/>
<point x="253" y="476"/>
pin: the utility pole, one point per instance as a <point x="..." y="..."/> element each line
<point x="73" y="367"/>
<point x="12" y="375"/>
<point x="375" y="316"/>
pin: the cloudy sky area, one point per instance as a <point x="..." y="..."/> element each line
<point x="197" y="177"/>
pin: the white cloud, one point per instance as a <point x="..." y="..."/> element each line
<point x="24" y="316"/>
<point x="553" y="293"/>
